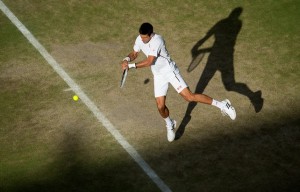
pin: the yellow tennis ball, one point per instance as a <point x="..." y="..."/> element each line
<point x="75" y="98"/>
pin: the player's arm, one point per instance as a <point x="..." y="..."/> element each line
<point x="145" y="63"/>
<point x="131" y="57"/>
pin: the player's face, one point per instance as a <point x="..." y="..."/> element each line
<point x="145" y="38"/>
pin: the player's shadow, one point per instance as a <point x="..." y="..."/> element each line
<point x="221" y="57"/>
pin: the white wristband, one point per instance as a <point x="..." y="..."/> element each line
<point x="126" y="59"/>
<point x="131" y="65"/>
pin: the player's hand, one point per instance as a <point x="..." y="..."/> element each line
<point x="124" y="65"/>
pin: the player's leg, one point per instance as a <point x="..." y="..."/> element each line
<point x="161" y="106"/>
<point x="176" y="80"/>
<point x="224" y="106"/>
<point x="181" y="87"/>
<point x="205" y="78"/>
<point x="192" y="97"/>
<point x="160" y="91"/>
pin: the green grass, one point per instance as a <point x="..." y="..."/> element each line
<point x="51" y="143"/>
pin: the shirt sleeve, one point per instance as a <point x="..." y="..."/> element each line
<point x="136" y="46"/>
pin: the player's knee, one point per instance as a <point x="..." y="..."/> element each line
<point x="160" y="103"/>
<point x="161" y="108"/>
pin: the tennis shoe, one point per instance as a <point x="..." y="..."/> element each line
<point x="228" y="109"/>
<point x="170" y="131"/>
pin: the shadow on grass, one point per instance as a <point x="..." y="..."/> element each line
<point x="266" y="158"/>
<point x="221" y="58"/>
<point x="73" y="170"/>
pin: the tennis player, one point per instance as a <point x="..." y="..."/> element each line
<point x="165" y="71"/>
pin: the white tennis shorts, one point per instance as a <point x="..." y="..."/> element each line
<point x="161" y="83"/>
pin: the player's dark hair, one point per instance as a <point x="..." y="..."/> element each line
<point x="146" y="29"/>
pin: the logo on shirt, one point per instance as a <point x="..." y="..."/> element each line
<point x="178" y="88"/>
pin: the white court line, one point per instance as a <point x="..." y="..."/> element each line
<point x="86" y="100"/>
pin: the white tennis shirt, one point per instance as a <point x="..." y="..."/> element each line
<point x="156" y="47"/>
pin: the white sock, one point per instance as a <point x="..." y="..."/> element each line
<point x="168" y="121"/>
<point x="218" y="104"/>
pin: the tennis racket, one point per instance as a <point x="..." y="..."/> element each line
<point x="197" y="58"/>
<point x="124" y="75"/>
<point x="195" y="62"/>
